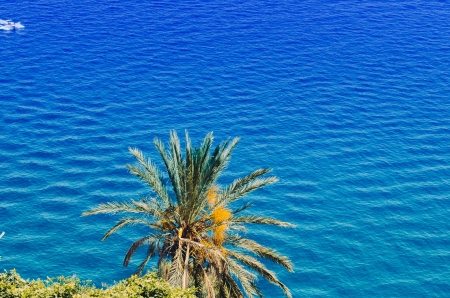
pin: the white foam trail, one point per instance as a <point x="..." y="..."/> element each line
<point x="6" y="27"/>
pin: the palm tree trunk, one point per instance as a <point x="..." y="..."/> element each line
<point x="185" y="272"/>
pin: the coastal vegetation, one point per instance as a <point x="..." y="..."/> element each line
<point x="195" y="229"/>
<point x="149" y="285"/>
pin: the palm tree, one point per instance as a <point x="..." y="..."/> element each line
<point x="193" y="230"/>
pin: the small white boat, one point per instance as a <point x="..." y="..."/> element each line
<point x="18" y="25"/>
<point x="10" y="25"/>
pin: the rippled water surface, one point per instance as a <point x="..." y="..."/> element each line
<point x="348" y="102"/>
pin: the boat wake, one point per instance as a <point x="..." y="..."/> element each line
<point x="9" y="25"/>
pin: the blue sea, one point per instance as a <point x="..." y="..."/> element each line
<point x="347" y="101"/>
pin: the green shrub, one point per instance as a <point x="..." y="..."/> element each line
<point x="149" y="285"/>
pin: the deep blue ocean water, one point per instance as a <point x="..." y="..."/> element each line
<point x="348" y="102"/>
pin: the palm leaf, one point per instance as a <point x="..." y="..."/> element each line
<point x="262" y="251"/>
<point x="208" y="286"/>
<point x="150" y="253"/>
<point x="261" y="220"/>
<point x="213" y="254"/>
<point x="168" y="162"/>
<point x="177" y="166"/>
<point x="115" y="207"/>
<point x="176" y="267"/>
<point x="147" y="239"/>
<point x="242" y="208"/>
<point x="230" y="197"/>
<point x="261" y="269"/>
<point x="149" y="174"/>
<point x="229" y="288"/>
<point x="240" y="182"/>
<point x="129" y="221"/>
<point x="245" y="277"/>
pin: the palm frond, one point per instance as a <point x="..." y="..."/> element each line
<point x="150" y="207"/>
<point x="261" y="269"/>
<point x="171" y="168"/>
<point x="257" y="290"/>
<point x="200" y="159"/>
<point x="150" y="253"/>
<point x="190" y="170"/>
<point x="176" y="267"/>
<point x="116" y="207"/>
<point x="129" y="221"/>
<point x="208" y="285"/>
<point x="240" y="182"/>
<point x="242" y="208"/>
<point x="209" y="167"/>
<point x="147" y="239"/>
<point x="261" y="220"/>
<point x="204" y="156"/>
<point x="262" y="251"/>
<point x="178" y="165"/>
<point x="230" y="197"/>
<point x="212" y="253"/>
<point x="219" y="160"/>
<point x="245" y="277"/>
<point x="150" y="174"/>
<point x="201" y="180"/>
<point x="229" y="288"/>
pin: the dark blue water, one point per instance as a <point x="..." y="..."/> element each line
<point x="348" y="101"/>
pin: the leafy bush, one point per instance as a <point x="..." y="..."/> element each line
<point x="149" y="285"/>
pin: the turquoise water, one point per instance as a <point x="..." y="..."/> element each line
<point x="348" y="102"/>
